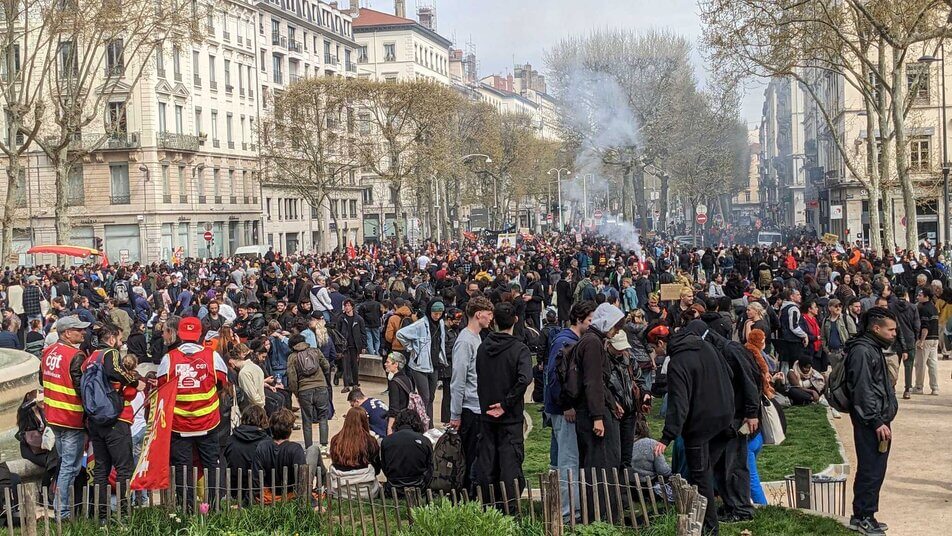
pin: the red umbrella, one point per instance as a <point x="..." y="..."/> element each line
<point x="69" y="251"/>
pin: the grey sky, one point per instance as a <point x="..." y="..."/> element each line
<point x="508" y="31"/>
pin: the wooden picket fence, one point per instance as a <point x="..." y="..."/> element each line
<point x="617" y="497"/>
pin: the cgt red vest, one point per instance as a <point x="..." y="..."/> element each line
<point x="127" y="393"/>
<point x="196" y="404"/>
<point x="63" y="405"/>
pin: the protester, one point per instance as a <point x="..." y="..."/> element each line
<point x="240" y="452"/>
<point x="355" y="458"/>
<point x="308" y="371"/>
<point x="376" y="411"/>
<point x="425" y="340"/>
<point x="406" y="455"/>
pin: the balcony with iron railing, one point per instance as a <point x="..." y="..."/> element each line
<point x="234" y="200"/>
<point x="202" y="199"/>
<point x="120" y="199"/>
<point x="330" y="59"/>
<point x="114" y="141"/>
<point x="183" y="198"/>
<point x="213" y="85"/>
<point x="296" y="47"/>
<point x="160" y="72"/>
<point x="177" y="142"/>
<point x="115" y="70"/>
<point x="177" y="76"/>
<point x="278" y="77"/>
<point x="292" y="78"/>
<point x="229" y="89"/>
<point x="231" y="145"/>
<point x="351" y="67"/>
<point x="196" y="80"/>
<point x="167" y="198"/>
<point x="216" y="143"/>
<point x="240" y="40"/>
<point x="226" y="35"/>
<point x="218" y="199"/>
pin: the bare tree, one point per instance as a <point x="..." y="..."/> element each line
<point x="402" y="122"/>
<point x="308" y="146"/>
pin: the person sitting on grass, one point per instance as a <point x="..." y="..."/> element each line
<point x="644" y="462"/>
<point x="805" y="384"/>
<point x="355" y="458"/>
<point x="241" y="449"/>
<point x="280" y="461"/>
<point x="406" y="455"/>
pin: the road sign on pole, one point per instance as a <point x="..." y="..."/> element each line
<point x="701" y="218"/>
<point x="701" y="209"/>
<point x="208" y="236"/>
<point x="598" y="214"/>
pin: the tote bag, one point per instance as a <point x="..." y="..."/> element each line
<point x="771" y="423"/>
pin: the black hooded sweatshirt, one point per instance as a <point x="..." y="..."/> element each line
<point x="700" y="396"/>
<point x="503" y="373"/>
<point x="240" y="450"/>
<point x="743" y="371"/>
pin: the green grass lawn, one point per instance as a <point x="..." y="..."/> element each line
<point x="811" y="442"/>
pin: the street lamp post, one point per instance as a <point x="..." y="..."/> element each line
<point x="945" y="146"/>
<point x="558" y="172"/>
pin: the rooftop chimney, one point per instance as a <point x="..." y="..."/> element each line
<point x="400" y="8"/>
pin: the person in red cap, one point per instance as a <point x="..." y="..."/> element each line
<point x="200" y="373"/>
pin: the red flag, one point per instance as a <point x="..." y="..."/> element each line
<point x="152" y="469"/>
<point x="351" y="253"/>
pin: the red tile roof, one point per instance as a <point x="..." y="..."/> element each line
<point x="370" y="17"/>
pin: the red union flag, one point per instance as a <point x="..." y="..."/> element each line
<point x="152" y="469"/>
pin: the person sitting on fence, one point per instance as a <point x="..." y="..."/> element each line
<point x="406" y="455"/>
<point x="355" y="458"/>
<point x="239" y="452"/>
<point x="281" y="460"/>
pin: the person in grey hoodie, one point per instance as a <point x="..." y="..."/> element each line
<point x="464" y="399"/>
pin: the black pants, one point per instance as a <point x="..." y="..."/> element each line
<point x="181" y="457"/>
<point x="870" y="469"/>
<point x="733" y="478"/>
<point x="626" y="431"/>
<point x="789" y="351"/>
<point x="112" y="448"/>
<point x="701" y="458"/>
<point x="445" y="402"/>
<point x="426" y="386"/>
<point x="469" y="433"/>
<point x="349" y="363"/>
<point x="596" y="454"/>
<point x="501" y="453"/>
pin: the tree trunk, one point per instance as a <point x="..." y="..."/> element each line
<point x="398" y="214"/>
<point x="902" y="151"/>
<point x="626" y="207"/>
<point x="872" y="167"/>
<point x="61" y="167"/>
<point x="663" y="202"/>
<point x="638" y="184"/>
<point x="9" y="206"/>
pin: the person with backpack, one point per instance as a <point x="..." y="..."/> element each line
<point x="861" y="386"/>
<point x="503" y="373"/>
<point x="307" y="379"/>
<point x="425" y="339"/>
<point x="400" y="388"/>
<point x="61" y="373"/>
<point x="464" y="400"/>
<point x="109" y="385"/>
<point x="401" y="318"/>
<point x="122" y="293"/>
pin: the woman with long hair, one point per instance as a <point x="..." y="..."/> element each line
<point x="227" y="340"/>
<point x="355" y="458"/>
<point x="353" y="447"/>
<point x="756" y="342"/>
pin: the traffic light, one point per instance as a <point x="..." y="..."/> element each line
<point x="97" y="243"/>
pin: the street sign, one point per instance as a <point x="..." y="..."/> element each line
<point x="836" y="212"/>
<point x="548" y="218"/>
<point x="701" y="218"/>
<point x="701" y="209"/>
<point x="208" y="236"/>
<point x="598" y="214"/>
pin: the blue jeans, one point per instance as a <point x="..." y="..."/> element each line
<point x="564" y="434"/>
<point x="139" y="497"/>
<point x="754" y="444"/>
<point x="373" y="341"/>
<point x="69" y="445"/>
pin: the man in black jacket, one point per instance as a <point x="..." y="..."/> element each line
<point x="731" y="472"/>
<point x="351" y="326"/>
<point x="503" y="373"/>
<point x="372" y="313"/>
<point x="700" y="409"/>
<point x="873" y="408"/>
<point x="406" y="455"/>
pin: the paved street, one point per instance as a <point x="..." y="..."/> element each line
<point x="917" y="495"/>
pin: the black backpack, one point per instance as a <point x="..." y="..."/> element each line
<point x="309" y="362"/>
<point x="566" y="371"/>
<point x="449" y="463"/>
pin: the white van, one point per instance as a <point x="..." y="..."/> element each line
<point x="769" y="238"/>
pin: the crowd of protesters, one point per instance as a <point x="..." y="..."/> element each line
<point x="265" y="339"/>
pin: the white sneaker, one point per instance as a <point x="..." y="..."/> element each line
<point x="823" y="402"/>
<point x="836" y="414"/>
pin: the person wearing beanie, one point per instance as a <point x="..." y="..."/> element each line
<point x="425" y="340"/>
